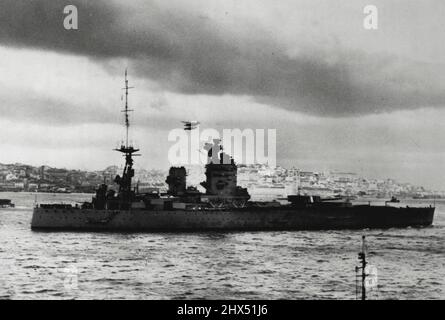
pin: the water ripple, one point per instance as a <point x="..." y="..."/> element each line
<point x="251" y="265"/>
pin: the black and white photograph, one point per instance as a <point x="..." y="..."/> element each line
<point x="222" y="150"/>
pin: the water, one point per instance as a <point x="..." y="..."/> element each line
<point x="251" y="265"/>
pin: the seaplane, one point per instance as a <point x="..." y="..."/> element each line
<point x="190" y="125"/>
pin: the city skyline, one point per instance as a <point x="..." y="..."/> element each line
<point x="340" y="97"/>
<point x="23" y="177"/>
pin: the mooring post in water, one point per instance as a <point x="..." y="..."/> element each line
<point x="362" y="258"/>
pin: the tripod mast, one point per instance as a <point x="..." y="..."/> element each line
<point x="126" y="110"/>
<point x="125" y="193"/>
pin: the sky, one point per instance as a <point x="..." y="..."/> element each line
<point x="339" y="96"/>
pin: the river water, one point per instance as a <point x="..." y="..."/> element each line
<point x="410" y="263"/>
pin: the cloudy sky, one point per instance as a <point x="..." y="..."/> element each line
<point x="340" y="97"/>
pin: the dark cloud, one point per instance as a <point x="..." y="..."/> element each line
<point x="187" y="52"/>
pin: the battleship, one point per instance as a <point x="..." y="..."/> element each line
<point x="224" y="206"/>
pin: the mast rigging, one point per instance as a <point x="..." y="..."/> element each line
<point x="124" y="182"/>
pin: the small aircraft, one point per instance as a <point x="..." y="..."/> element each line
<point x="190" y="125"/>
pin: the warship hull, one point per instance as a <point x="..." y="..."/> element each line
<point x="244" y="219"/>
